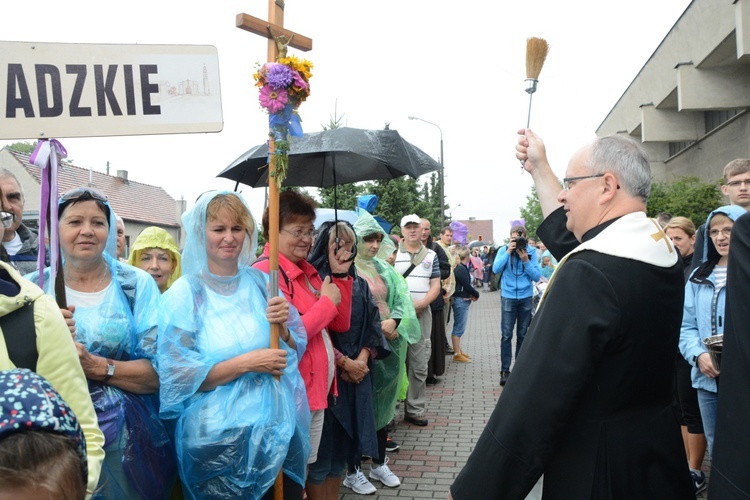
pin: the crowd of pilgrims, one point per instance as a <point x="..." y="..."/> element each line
<point x="184" y="394"/>
<point x="177" y="389"/>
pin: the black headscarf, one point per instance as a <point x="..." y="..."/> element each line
<point x="319" y="253"/>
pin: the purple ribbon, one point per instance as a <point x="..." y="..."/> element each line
<point x="45" y="156"/>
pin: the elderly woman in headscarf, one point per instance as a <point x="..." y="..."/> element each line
<point x="237" y="426"/>
<point x="156" y="252"/>
<point x="398" y="322"/>
<point x="349" y="425"/>
<point x="114" y="322"/>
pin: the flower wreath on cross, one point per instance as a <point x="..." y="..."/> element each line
<point x="284" y="85"/>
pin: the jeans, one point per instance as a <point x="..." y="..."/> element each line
<point x="708" y="401"/>
<point x="460" y="315"/>
<point x="516" y="312"/>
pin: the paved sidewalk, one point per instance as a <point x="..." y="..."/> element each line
<point x="458" y="408"/>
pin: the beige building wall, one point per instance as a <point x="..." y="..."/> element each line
<point x="700" y="69"/>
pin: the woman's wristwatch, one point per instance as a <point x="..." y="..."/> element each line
<point x="110" y="370"/>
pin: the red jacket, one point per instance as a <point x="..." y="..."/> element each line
<point x="317" y="313"/>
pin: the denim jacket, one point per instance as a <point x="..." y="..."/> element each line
<point x="703" y="316"/>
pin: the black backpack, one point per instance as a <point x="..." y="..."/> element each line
<point x="20" y="336"/>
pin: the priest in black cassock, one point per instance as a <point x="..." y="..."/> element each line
<point x="587" y="411"/>
<point x="730" y="470"/>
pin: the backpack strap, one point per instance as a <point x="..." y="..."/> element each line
<point x="20" y="336"/>
<point x="409" y="270"/>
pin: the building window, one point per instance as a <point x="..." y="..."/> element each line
<point x="676" y="147"/>
<point x="715" y="118"/>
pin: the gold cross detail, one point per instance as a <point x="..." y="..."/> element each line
<point x="661" y="235"/>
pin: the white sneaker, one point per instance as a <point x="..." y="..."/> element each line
<point x="384" y="475"/>
<point x="359" y="483"/>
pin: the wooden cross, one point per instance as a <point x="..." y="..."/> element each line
<point x="278" y="39"/>
<point x="274" y="27"/>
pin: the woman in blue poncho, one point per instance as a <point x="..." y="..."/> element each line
<point x="237" y="426"/>
<point x="114" y="323"/>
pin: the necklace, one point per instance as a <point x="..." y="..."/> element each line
<point x="96" y="288"/>
<point x="104" y="273"/>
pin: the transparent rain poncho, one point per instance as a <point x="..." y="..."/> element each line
<point x="231" y="441"/>
<point x="123" y="327"/>
<point x="394" y="301"/>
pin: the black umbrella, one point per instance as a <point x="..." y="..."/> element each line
<point x="337" y="156"/>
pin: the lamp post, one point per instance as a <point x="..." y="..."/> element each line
<point x="441" y="177"/>
<point x="452" y="209"/>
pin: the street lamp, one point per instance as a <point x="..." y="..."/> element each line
<point x="441" y="177"/>
<point x="452" y="209"/>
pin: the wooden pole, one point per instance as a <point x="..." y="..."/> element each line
<point x="263" y="28"/>
<point x="275" y="16"/>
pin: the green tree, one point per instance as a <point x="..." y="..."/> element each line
<point x="687" y="197"/>
<point x="532" y="213"/>
<point x="22" y="147"/>
<point x="396" y="198"/>
<point x="345" y="196"/>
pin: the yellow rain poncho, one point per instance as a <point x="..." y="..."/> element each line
<point x="156" y="237"/>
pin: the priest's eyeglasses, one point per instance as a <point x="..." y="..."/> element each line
<point x="745" y="182"/>
<point x="726" y="232"/>
<point x="7" y="218"/>
<point x="568" y="181"/>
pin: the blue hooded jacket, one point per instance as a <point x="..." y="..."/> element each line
<point x="516" y="282"/>
<point x="703" y="314"/>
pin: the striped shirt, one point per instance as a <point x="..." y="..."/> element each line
<point x="419" y="278"/>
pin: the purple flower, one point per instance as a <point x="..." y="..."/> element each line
<point x="273" y="100"/>
<point x="279" y="76"/>
<point x="299" y="82"/>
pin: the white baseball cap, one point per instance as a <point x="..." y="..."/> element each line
<point x="410" y="219"/>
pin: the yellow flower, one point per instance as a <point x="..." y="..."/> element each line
<point x="303" y="66"/>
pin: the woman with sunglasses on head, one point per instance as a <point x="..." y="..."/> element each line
<point x="237" y="427"/>
<point x="323" y="303"/>
<point x="112" y="313"/>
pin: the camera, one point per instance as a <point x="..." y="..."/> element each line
<point x="520" y="243"/>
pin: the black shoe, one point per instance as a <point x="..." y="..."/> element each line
<point x="504" y="377"/>
<point x="421" y="422"/>
<point x="699" y="482"/>
<point x="391" y="445"/>
<point x="432" y="380"/>
<point x="449" y="351"/>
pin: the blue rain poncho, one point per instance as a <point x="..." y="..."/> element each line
<point x="393" y="299"/>
<point x="124" y="327"/>
<point x="231" y="441"/>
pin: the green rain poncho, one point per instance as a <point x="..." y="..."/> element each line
<point x="156" y="237"/>
<point x="394" y="301"/>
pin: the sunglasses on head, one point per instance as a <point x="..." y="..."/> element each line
<point x="7" y="218"/>
<point x="82" y="193"/>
